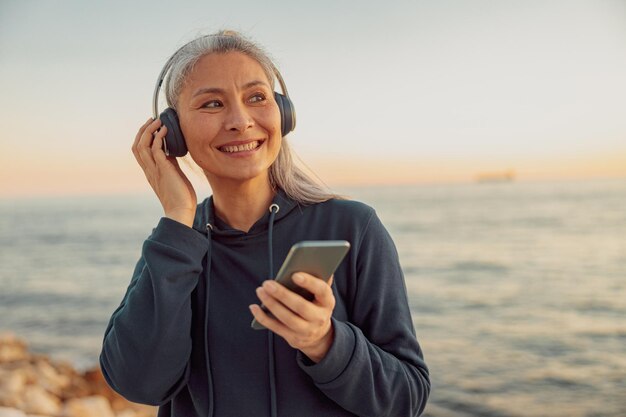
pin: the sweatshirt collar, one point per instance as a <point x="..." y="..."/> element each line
<point x="205" y="215"/>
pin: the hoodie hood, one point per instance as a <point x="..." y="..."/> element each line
<point x="205" y="216"/>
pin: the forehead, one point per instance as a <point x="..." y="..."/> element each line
<point x="222" y="69"/>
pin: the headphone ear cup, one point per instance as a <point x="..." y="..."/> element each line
<point x="174" y="140"/>
<point x="287" y="113"/>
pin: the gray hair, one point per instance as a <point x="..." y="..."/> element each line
<point x="283" y="173"/>
<point x="218" y="43"/>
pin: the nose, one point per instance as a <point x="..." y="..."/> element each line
<point x="238" y="118"/>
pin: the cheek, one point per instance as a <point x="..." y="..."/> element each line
<point x="278" y="141"/>
<point x="197" y="132"/>
<point x="195" y="139"/>
<point x="276" y="136"/>
<point x="185" y="124"/>
<point x="273" y="122"/>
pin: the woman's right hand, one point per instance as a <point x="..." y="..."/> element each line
<point x="168" y="181"/>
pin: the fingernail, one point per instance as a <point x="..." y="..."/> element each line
<point x="270" y="286"/>
<point x="298" y="278"/>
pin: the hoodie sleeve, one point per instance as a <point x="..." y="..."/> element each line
<point x="147" y="342"/>
<point x="375" y="366"/>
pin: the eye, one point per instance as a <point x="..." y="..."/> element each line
<point x="257" y="98"/>
<point x="213" y="104"/>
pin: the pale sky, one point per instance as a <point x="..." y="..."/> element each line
<point x="396" y="91"/>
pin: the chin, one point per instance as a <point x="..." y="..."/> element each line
<point x="237" y="175"/>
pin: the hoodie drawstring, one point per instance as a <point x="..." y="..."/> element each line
<point x="209" y="228"/>
<point x="270" y="335"/>
<point x="273" y="210"/>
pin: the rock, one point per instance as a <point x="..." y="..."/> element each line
<point x="13" y="381"/>
<point x="11" y="348"/>
<point x="50" y="379"/>
<point x="39" y="401"/>
<point x="142" y="410"/>
<point x="119" y="404"/>
<point x="33" y="385"/>
<point x="78" y="388"/>
<point x="12" y="386"/>
<point x="94" y="406"/>
<point x="12" y="401"/>
<point x="99" y="386"/>
<point x="11" y="412"/>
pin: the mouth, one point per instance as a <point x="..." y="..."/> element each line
<point x="243" y="147"/>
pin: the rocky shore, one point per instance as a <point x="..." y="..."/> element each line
<point x="33" y="385"/>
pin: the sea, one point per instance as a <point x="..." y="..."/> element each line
<point x="517" y="289"/>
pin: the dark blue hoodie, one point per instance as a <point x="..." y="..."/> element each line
<point x="181" y="337"/>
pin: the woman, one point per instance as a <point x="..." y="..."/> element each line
<point x="181" y="338"/>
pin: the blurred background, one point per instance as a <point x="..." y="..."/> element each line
<point x="489" y="135"/>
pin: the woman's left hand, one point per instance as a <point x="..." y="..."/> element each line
<point x="304" y="324"/>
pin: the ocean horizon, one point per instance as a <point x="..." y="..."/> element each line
<point x="517" y="289"/>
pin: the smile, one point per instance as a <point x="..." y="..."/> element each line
<point x="250" y="146"/>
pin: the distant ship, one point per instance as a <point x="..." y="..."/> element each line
<point x="491" y="177"/>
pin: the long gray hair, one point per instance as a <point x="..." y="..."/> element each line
<point x="283" y="173"/>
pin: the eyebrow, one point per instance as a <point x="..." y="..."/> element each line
<point x="208" y="90"/>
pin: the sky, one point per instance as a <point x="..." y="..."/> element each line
<point x="385" y="92"/>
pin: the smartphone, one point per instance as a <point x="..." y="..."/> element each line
<point x="316" y="257"/>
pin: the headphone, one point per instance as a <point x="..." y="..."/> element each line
<point x="174" y="143"/>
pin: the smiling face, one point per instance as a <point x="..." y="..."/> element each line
<point x="229" y="118"/>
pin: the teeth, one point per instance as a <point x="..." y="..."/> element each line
<point x="240" y="148"/>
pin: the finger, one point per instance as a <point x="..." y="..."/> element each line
<point x="145" y="143"/>
<point x="140" y="132"/>
<point x="157" y="145"/>
<point x="283" y="314"/>
<point x="159" y="155"/>
<point x="318" y="287"/>
<point x="140" y="135"/>
<point x="135" y="147"/>
<point x="270" y="323"/>
<point x="294" y="301"/>
<point x="145" y="139"/>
